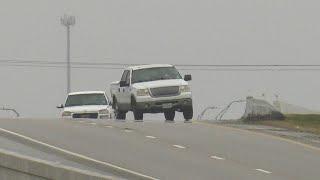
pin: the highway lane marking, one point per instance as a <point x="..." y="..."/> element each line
<point x="108" y="126"/>
<point x="260" y="134"/>
<point x="179" y="146"/>
<point x="217" y="157"/>
<point x="151" y="137"/>
<point x="60" y="150"/>
<point x="264" y="171"/>
<point x="93" y="123"/>
<point x="127" y="130"/>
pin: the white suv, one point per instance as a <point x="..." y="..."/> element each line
<point x="87" y="104"/>
<point x="157" y="88"/>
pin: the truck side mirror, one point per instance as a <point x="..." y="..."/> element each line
<point x="60" y="106"/>
<point x="187" y="77"/>
<point x="123" y="83"/>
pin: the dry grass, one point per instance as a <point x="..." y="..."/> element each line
<point x="305" y="122"/>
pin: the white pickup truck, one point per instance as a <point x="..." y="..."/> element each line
<point x="157" y="88"/>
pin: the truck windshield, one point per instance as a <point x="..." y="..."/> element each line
<point x="86" y="99"/>
<point x="154" y="74"/>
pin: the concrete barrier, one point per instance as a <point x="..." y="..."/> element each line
<point x="19" y="167"/>
<point x="258" y="109"/>
<point x="78" y="158"/>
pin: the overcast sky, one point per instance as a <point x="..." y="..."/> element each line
<point x="160" y="31"/>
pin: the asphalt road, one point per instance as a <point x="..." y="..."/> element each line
<point x="177" y="150"/>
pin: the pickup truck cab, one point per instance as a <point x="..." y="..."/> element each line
<point x="157" y="88"/>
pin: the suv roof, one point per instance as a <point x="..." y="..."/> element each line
<point x="149" y="66"/>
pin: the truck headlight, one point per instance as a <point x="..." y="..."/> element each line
<point x="142" y="92"/>
<point x="184" y="88"/>
<point x="103" y="111"/>
<point x="66" y="113"/>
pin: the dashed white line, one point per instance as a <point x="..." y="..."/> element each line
<point x="92" y="123"/>
<point x="151" y="137"/>
<point x="127" y="130"/>
<point x="108" y="126"/>
<point x="179" y="146"/>
<point x="217" y="157"/>
<point x="264" y="171"/>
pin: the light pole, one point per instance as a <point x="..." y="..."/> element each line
<point x="68" y="21"/>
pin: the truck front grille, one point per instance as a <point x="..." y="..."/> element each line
<point x="85" y="115"/>
<point x="165" y="91"/>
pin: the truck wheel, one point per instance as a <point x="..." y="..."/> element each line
<point x="188" y="113"/>
<point x="169" y="115"/>
<point x="119" y="114"/>
<point x="138" y="115"/>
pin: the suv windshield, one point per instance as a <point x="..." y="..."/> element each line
<point x="154" y="74"/>
<point x="86" y="99"/>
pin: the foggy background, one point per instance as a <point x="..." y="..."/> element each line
<point x="160" y="31"/>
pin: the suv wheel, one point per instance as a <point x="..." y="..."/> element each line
<point x="138" y="115"/>
<point x="169" y="115"/>
<point x="188" y="113"/>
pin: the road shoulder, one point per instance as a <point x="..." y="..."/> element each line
<point x="302" y="137"/>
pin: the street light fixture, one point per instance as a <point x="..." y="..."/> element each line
<point x="68" y="21"/>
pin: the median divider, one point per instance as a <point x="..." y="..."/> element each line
<point x="78" y="158"/>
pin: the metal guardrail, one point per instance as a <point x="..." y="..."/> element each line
<point x="12" y="110"/>
<point x="205" y="110"/>
<point x="223" y="111"/>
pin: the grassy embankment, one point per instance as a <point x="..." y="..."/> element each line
<point x="301" y="122"/>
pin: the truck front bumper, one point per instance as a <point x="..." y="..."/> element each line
<point x="164" y="105"/>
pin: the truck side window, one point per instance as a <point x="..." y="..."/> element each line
<point x="124" y="75"/>
<point x="128" y="78"/>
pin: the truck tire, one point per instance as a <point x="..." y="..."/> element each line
<point x="188" y="113"/>
<point x="138" y="115"/>
<point x="169" y="115"/>
<point x="119" y="114"/>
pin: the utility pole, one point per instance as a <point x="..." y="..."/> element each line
<point x="68" y="21"/>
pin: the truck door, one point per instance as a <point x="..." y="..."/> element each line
<point x="124" y="92"/>
<point x="127" y="90"/>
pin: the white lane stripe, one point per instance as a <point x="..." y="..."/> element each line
<point x="264" y="171"/>
<point x="92" y="123"/>
<point x="26" y="138"/>
<point x="151" y="137"/>
<point x="128" y="130"/>
<point x="179" y="146"/>
<point x="108" y="126"/>
<point x="217" y="157"/>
